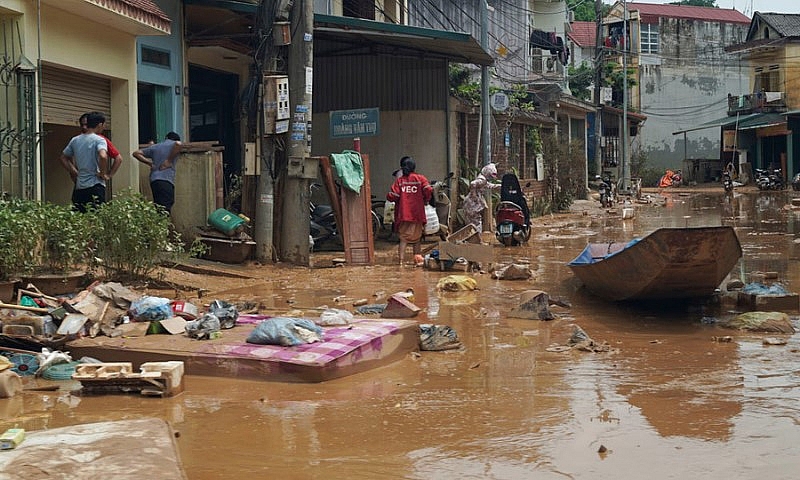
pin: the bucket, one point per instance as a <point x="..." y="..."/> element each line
<point x="226" y="222"/>
<point x="431" y="220"/>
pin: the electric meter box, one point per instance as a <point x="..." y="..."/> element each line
<point x="275" y="100"/>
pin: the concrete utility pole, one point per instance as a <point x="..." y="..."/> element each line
<point x="486" y="112"/>
<point x="599" y="54"/>
<point x="296" y="195"/>
<point x="626" y="169"/>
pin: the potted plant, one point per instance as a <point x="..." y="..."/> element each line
<point x="58" y="241"/>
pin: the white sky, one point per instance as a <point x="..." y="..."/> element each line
<point x="749" y="6"/>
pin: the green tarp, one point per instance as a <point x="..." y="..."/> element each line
<point x="350" y="169"/>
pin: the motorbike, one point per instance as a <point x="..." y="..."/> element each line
<point x="323" y="223"/>
<point x="727" y="181"/>
<point x="769" y="179"/>
<point x="796" y="182"/>
<point x="607" y="191"/>
<point x="512" y="217"/>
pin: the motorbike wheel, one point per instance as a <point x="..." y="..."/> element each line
<point x="507" y="241"/>
<point x="604" y="201"/>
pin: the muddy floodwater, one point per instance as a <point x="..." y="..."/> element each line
<point x="667" y="401"/>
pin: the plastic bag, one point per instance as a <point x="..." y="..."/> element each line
<point x="151" y="309"/>
<point x="285" y="331"/>
<point x="225" y="312"/>
<point x="388" y="212"/>
<point x="203" y="327"/>
<point x="431" y="220"/>
<point x="335" y="316"/>
<point x="437" y="337"/>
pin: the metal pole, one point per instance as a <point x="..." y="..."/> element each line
<point x="486" y="114"/>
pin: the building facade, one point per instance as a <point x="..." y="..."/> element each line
<point x="683" y="74"/>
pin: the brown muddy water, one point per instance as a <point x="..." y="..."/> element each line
<point x="666" y="402"/>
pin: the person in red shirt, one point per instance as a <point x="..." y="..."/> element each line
<point x="410" y="192"/>
<point x="113" y="153"/>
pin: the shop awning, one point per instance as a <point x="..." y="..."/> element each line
<point x="762" y="120"/>
<point x="723" y="122"/>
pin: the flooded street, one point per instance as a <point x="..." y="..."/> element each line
<point x="666" y="402"/>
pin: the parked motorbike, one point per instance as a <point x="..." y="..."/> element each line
<point x="796" y="182"/>
<point x="323" y="223"/>
<point x="769" y="179"/>
<point x="607" y="191"/>
<point x="727" y="181"/>
<point x="512" y="216"/>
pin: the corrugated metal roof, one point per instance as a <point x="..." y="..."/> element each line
<point x="650" y="12"/>
<point x="786" y="24"/>
<point x="584" y="34"/>
<point x="369" y="36"/>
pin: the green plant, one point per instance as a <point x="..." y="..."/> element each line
<point x="132" y="236"/>
<point x="65" y="238"/>
<point x="564" y="168"/>
<point x="19" y="237"/>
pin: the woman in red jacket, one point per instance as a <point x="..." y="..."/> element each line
<point x="410" y="192"/>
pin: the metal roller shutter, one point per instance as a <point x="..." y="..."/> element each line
<point x="66" y="95"/>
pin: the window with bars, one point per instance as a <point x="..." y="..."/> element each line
<point x="649" y="38"/>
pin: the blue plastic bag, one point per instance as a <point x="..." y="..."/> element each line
<point x="285" y="331"/>
<point x="151" y="309"/>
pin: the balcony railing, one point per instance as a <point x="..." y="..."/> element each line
<point x="760" y="102"/>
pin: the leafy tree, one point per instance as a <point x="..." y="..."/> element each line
<point x="581" y="79"/>
<point x="584" y="10"/>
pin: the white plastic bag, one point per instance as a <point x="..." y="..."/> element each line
<point x="432" y="220"/>
<point x="388" y="213"/>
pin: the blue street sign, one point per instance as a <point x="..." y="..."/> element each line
<point x="364" y="122"/>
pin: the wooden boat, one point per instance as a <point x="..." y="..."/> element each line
<point x="669" y="263"/>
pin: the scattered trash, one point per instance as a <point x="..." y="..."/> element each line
<point x="512" y="271"/>
<point x="774" y="341"/>
<point x="203" y="327"/>
<point x="535" y="305"/>
<point x="762" y="289"/>
<point x="371" y="309"/>
<point x="334" y="316"/>
<point x="162" y="379"/>
<point x="438" y="337"/>
<point x="11" y="438"/>
<point x="774" y="322"/>
<point x="456" y="283"/>
<point x="225" y="312"/>
<point x="580" y="340"/>
<point x="286" y="332"/>
<point x="399" y="306"/>
<point x="724" y="339"/>
<point x="150" y="309"/>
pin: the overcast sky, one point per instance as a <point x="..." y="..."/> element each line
<point x="749" y="6"/>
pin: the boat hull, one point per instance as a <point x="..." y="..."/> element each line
<point x="670" y="263"/>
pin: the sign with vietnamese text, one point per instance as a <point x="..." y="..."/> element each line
<point x="364" y="122"/>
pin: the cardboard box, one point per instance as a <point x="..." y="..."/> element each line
<point x="789" y="302"/>
<point x="11" y="438"/>
<point x="473" y="252"/>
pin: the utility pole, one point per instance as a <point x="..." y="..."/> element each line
<point x="295" y="229"/>
<point x="486" y="113"/>
<point x="626" y="174"/>
<point x="599" y="55"/>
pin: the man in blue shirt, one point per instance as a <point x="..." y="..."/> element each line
<point x="161" y="157"/>
<point x="86" y="159"/>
